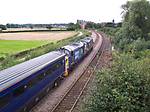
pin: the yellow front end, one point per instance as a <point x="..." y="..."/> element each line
<point x="66" y="66"/>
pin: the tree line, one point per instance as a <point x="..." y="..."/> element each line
<point x="49" y="26"/>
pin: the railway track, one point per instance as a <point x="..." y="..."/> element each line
<point x="70" y="99"/>
<point x="69" y="86"/>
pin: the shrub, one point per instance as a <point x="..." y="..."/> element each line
<point x="123" y="88"/>
<point x="110" y="30"/>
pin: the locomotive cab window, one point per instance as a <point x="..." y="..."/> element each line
<point x="67" y="52"/>
<point x="4" y="100"/>
<point x="71" y="53"/>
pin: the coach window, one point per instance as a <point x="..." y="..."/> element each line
<point x="41" y="76"/>
<point x="4" y="100"/>
<point x="60" y="63"/>
<point x="48" y="72"/>
<point x="19" y="90"/>
<point x="33" y="82"/>
<point x="56" y="66"/>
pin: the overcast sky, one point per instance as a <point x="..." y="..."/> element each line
<point x="59" y="11"/>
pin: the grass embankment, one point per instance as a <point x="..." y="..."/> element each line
<point x="14" y="59"/>
<point x="14" y="46"/>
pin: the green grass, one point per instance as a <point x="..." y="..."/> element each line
<point x="8" y="47"/>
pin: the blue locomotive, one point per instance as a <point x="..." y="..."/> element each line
<point x="23" y="85"/>
<point x="74" y="53"/>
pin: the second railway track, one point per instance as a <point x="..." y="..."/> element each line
<point x="70" y="99"/>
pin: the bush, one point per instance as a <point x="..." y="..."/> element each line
<point x="126" y="35"/>
<point x="123" y="88"/>
<point x="109" y="30"/>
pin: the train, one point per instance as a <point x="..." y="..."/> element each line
<point x="23" y="85"/>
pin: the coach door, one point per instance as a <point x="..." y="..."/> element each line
<point x="66" y="66"/>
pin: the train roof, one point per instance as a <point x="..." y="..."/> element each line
<point x="73" y="46"/>
<point x="18" y="72"/>
<point x="87" y="39"/>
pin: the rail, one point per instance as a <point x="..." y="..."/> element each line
<point x="72" y="96"/>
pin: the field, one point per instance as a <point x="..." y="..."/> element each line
<point x="52" y="36"/>
<point x="11" y="43"/>
<point x="14" y="46"/>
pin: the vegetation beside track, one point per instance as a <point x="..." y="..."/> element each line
<point x="14" y="59"/>
<point x="109" y="30"/>
<point x="125" y="86"/>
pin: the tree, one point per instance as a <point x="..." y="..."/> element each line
<point x="49" y="27"/>
<point x="72" y="26"/>
<point x="93" y="25"/>
<point x="123" y="88"/>
<point x="138" y="14"/>
<point x="3" y="27"/>
<point x="136" y="23"/>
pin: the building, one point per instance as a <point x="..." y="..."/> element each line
<point x="82" y="23"/>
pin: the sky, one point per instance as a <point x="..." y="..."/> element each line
<point x="59" y="11"/>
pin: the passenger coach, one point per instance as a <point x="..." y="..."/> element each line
<point x="23" y="85"/>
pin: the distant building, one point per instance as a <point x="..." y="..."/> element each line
<point x="82" y="23"/>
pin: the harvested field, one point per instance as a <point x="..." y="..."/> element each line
<point x="52" y="36"/>
<point x="11" y="43"/>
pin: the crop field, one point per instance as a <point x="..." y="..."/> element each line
<point x="11" y="43"/>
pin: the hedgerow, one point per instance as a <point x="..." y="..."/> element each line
<point x="123" y="88"/>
